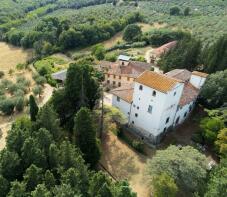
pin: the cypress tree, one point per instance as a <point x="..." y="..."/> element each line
<point x="33" y="108"/>
<point x="85" y="137"/>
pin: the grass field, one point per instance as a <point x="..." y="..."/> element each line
<point x="10" y="56"/>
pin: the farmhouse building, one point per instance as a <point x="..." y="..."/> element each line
<point x="156" y="102"/>
<point x="122" y="72"/>
<point x="156" y="53"/>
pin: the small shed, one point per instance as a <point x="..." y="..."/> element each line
<point x="60" y="75"/>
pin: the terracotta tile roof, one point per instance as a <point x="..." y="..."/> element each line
<point x="164" y="48"/>
<point x="182" y="74"/>
<point x="133" y="69"/>
<point x="189" y="94"/>
<point x="124" y="92"/>
<point x="201" y="74"/>
<point x="157" y="81"/>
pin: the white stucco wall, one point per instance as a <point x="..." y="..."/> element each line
<point x="182" y="111"/>
<point x="197" y="81"/>
<point x="122" y="105"/>
<point x="163" y="106"/>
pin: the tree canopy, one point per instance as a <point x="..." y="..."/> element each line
<point x="186" y="166"/>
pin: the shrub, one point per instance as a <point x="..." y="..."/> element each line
<point x="19" y="104"/>
<point x="20" y="66"/>
<point x="111" y="57"/>
<point x="12" y="88"/>
<point x="40" y="80"/>
<point x="6" y="83"/>
<point x="175" y="11"/>
<point x="1" y="74"/>
<point x="137" y="145"/>
<point x="11" y="71"/>
<point x="37" y="90"/>
<point x="7" y="106"/>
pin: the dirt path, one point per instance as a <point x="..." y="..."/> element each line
<point x="124" y="163"/>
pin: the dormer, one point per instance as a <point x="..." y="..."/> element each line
<point x="198" y="79"/>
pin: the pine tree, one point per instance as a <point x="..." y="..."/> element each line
<point x="85" y="137"/>
<point x="33" y="108"/>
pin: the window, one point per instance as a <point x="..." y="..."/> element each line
<point x="174" y="94"/>
<point x="108" y="75"/>
<point x="132" y="122"/>
<point x="114" y="82"/>
<point x="164" y="130"/>
<point x="134" y="105"/>
<point x="154" y="93"/>
<point x="119" y="77"/>
<point x="114" y="76"/>
<point x="108" y="81"/>
<point x="123" y="63"/>
<point x="128" y="78"/>
<point x="167" y="120"/>
<point x="136" y="115"/>
<point x="140" y="87"/>
<point x="185" y="114"/>
<point x="149" y="109"/>
<point x="118" y="99"/>
<point x="138" y="107"/>
<point x="119" y="84"/>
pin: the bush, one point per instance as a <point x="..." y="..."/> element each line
<point x="20" y="66"/>
<point x="11" y="71"/>
<point x="136" y="144"/>
<point x="111" y="57"/>
<point x="175" y="11"/>
<point x="40" y="80"/>
<point x="7" y="106"/>
<point x="19" y="104"/>
<point x="12" y="88"/>
<point x="1" y="74"/>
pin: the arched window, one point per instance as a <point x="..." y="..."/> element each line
<point x="154" y="93"/>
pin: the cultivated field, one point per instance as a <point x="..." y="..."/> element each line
<point x="10" y="56"/>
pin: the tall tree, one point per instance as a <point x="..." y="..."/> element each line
<point x="33" y="108"/>
<point x="217" y="184"/>
<point x="221" y="142"/>
<point x="47" y="118"/>
<point x="132" y="33"/>
<point x="85" y="137"/>
<point x="186" y="166"/>
<point x="215" y="56"/>
<point x="185" y="55"/>
<point x="17" y="189"/>
<point x="164" y="186"/>
<point x="214" y="92"/>
<point x="32" y="177"/>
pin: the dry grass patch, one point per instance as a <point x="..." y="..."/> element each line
<point x="10" y="56"/>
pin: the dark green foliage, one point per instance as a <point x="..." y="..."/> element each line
<point x="217" y="183"/>
<point x="47" y="118"/>
<point x="32" y="177"/>
<point x="41" y="190"/>
<point x="187" y="11"/>
<point x="33" y="108"/>
<point x="214" y="91"/>
<point x="7" y="106"/>
<point x="49" y="180"/>
<point x="10" y="164"/>
<point x="215" y="56"/>
<point x="175" y="11"/>
<point x="18" y="189"/>
<point x="184" y="56"/>
<point x="99" y="52"/>
<point x="210" y="127"/>
<point x="163" y="36"/>
<point x="4" y="186"/>
<point x="132" y="33"/>
<point x="81" y="89"/>
<point x="84" y="133"/>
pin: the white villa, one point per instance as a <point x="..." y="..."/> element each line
<point x="155" y="102"/>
